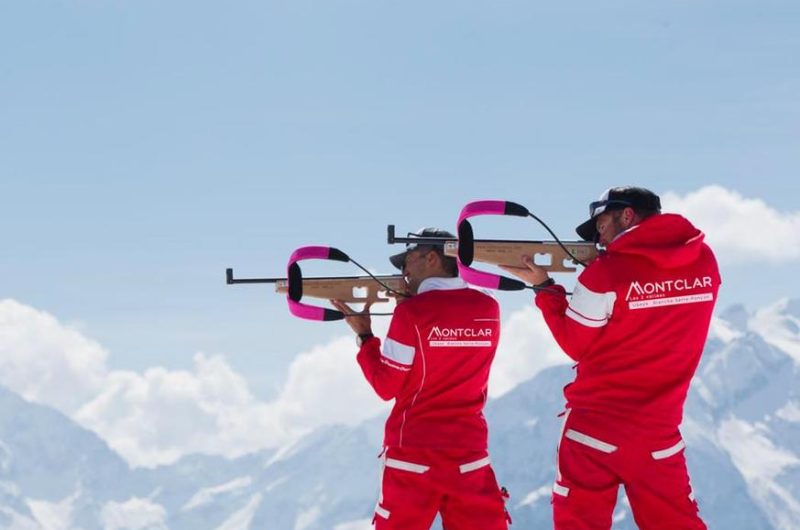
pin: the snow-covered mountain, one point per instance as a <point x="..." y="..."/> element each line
<point x="742" y="428"/>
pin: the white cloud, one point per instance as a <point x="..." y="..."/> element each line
<point x="158" y="416"/>
<point x="526" y="348"/>
<point x="46" y="361"/>
<point x="326" y="385"/>
<point x="739" y="229"/>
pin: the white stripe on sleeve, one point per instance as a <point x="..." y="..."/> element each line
<point x="590" y="308"/>
<point x="398" y="352"/>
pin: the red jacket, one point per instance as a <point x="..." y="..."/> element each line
<point x="435" y="364"/>
<point x="637" y="322"/>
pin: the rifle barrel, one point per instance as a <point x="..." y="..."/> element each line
<point x="229" y="279"/>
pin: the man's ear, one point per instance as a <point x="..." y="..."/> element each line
<point x="434" y="259"/>
<point x="628" y="216"/>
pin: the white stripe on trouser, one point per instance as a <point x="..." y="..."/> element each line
<point x="472" y="466"/>
<point x="380" y="510"/>
<point x="406" y="466"/>
<point x="594" y="443"/>
<point x="669" y="451"/>
<point x="558" y="488"/>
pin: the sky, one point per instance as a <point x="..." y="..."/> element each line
<point x="146" y="146"/>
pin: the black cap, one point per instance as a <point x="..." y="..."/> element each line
<point x="617" y="199"/>
<point x="398" y="260"/>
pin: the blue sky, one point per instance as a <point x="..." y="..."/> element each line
<point x="146" y="146"/>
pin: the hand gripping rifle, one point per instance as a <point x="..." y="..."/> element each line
<point x="352" y="289"/>
<point x="564" y="255"/>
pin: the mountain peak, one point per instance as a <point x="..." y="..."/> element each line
<point x="791" y="306"/>
<point x="779" y="325"/>
<point x="736" y="315"/>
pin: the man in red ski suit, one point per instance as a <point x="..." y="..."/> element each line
<point x="435" y="364"/>
<point x="636" y="326"/>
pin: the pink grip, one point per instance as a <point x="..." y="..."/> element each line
<point x="306" y="311"/>
<point x="312" y="252"/>
<point x="479" y="278"/>
<point x="468" y="274"/>
<point x="482" y="208"/>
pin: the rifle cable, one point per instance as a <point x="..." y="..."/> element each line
<point x="546" y="289"/>
<point x="560" y="244"/>
<point x="388" y="289"/>
<point x="382" y="284"/>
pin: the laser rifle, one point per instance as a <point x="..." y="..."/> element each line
<point x="354" y="289"/>
<point x="563" y="256"/>
<point x="350" y="289"/>
<point x="509" y="251"/>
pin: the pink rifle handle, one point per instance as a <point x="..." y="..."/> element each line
<point x="296" y="307"/>
<point x="468" y="274"/>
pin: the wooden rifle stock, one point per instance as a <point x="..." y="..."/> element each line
<point x="499" y="252"/>
<point x="351" y="289"/>
<point x="510" y="252"/>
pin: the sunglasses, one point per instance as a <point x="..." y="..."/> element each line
<point x="598" y="207"/>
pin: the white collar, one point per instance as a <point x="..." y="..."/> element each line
<point x="438" y="283"/>
<point x="629" y="229"/>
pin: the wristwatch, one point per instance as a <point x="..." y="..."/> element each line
<point x="360" y="338"/>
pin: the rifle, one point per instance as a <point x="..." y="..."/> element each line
<point x="352" y="289"/>
<point x="466" y="249"/>
<point x="510" y="251"/>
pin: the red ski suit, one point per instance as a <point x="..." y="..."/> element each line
<point x="435" y="364"/>
<point x="636" y="325"/>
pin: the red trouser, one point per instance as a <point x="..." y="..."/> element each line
<point x="418" y="483"/>
<point x="594" y="458"/>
